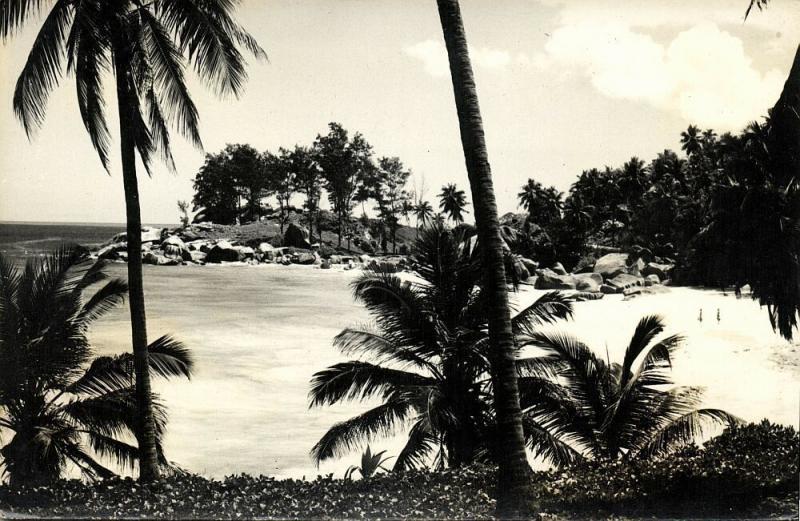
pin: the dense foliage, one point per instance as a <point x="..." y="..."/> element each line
<point x="748" y="472"/>
<point x="62" y="406"/>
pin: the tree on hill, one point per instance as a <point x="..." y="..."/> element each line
<point x="249" y="174"/>
<point x="281" y="178"/>
<point x="237" y="172"/>
<point x="145" y="47"/>
<point x="345" y="162"/>
<point x="389" y="191"/>
<point x="453" y="202"/>
<point x="308" y="181"/>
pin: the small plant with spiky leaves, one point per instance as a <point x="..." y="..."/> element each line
<point x="370" y="464"/>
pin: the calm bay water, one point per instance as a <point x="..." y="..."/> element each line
<point x="258" y="333"/>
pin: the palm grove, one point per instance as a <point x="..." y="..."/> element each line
<point x="447" y="355"/>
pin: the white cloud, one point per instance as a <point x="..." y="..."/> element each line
<point x="433" y="55"/>
<point x="703" y="73"/>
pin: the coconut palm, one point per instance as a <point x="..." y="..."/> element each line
<point x="610" y="410"/>
<point x="513" y="468"/>
<point x="543" y="205"/>
<point x="428" y="354"/>
<point x="423" y="211"/>
<point x="142" y="44"/>
<point x="691" y="140"/>
<point x="62" y="406"/>
<point x="453" y="202"/>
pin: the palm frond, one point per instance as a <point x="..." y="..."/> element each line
<point x="547" y="446"/>
<point x="346" y="436"/>
<point x="14" y="14"/>
<point x="364" y="341"/>
<point x="417" y="451"/>
<point x="43" y="69"/>
<point x="357" y="380"/>
<point x="104" y="300"/>
<point x="122" y="454"/>
<point x="547" y="309"/>
<point x="685" y="429"/>
<point x="646" y="330"/>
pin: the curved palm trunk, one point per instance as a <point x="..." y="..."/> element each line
<point x="146" y="435"/>
<point x="514" y="471"/>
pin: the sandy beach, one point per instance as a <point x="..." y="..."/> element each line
<point x="258" y="333"/>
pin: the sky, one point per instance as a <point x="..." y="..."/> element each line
<point x="564" y="86"/>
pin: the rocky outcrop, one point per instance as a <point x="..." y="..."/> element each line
<point x="175" y="248"/>
<point x="588" y="282"/>
<point x="222" y="251"/>
<point x="662" y="271"/>
<point x="296" y="236"/>
<point x="548" y="279"/>
<point x="559" y="268"/>
<point x="611" y="265"/>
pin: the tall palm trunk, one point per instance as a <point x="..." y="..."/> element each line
<point x="514" y="471"/>
<point x="146" y="432"/>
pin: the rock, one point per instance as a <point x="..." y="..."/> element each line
<point x="188" y="235"/>
<point x="296" y="236"/>
<point x="245" y="252"/>
<point x="520" y="271"/>
<point x="223" y="251"/>
<point x="335" y="259"/>
<point x="158" y="260"/>
<point x="387" y="265"/>
<point x="326" y="264"/>
<point x="559" y="268"/>
<point x="174" y="247"/>
<point x="636" y="268"/>
<point x="304" y="258"/>
<point x="584" y="265"/>
<point x="607" y="290"/>
<point x="548" y="279"/>
<point x="584" y="296"/>
<point x="530" y="265"/>
<point x="624" y="281"/>
<point x="205" y="227"/>
<point x="631" y="293"/>
<point x="152" y="234"/>
<point x="662" y="271"/>
<point x="588" y="282"/>
<point x="265" y="247"/>
<point x="642" y="253"/>
<point x="611" y="265"/>
<point x="112" y="251"/>
<point x="652" y="280"/>
<point x="198" y="256"/>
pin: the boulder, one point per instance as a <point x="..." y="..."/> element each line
<point x="198" y="256"/>
<point x="112" y="251"/>
<point x="636" y="268"/>
<point x="662" y="271"/>
<point x="624" y="281"/>
<point x="152" y="234"/>
<point x="607" y="289"/>
<point x="611" y="265"/>
<point x="587" y="295"/>
<point x="326" y="264"/>
<point x="388" y="265"/>
<point x="642" y="253"/>
<point x="175" y="248"/>
<point x="520" y="271"/>
<point x="304" y="258"/>
<point x="296" y="236"/>
<point x="559" y="268"/>
<point x="548" y="279"/>
<point x="631" y="293"/>
<point x="223" y="251"/>
<point x="265" y="247"/>
<point x="652" y="280"/>
<point x="335" y="259"/>
<point x="158" y="260"/>
<point x="588" y="282"/>
<point x="245" y="252"/>
<point x="530" y="265"/>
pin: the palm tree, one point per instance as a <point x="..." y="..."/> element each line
<point x="691" y="140"/>
<point x="543" y="205"/>
<point x="423" y="211"/>
<point x="61" y="406"/>
<point x="453" y="202"/>
<point x="429" y="356"/>
<point x="513" y="468"/>
<point x="607" y="410"/>
<point x="143" y="45"/>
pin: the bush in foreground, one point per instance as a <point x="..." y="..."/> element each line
<point x="748" y="471"/>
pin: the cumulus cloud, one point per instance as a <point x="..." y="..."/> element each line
<point x="433" y="55"/>
<point x="703" y="73"/>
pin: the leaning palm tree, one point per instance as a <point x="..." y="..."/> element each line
<point x="513" y="468"/>
<point x="142" y="44"/>
<point x="427" y="360"/>
<point x="453" y="202"/>
<point x="610" y="410"/>
<point x="61" y="406"/>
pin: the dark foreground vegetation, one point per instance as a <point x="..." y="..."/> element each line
<point x="746" y="472"/>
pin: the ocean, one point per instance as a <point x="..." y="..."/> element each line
<point x="258" y="334"/>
